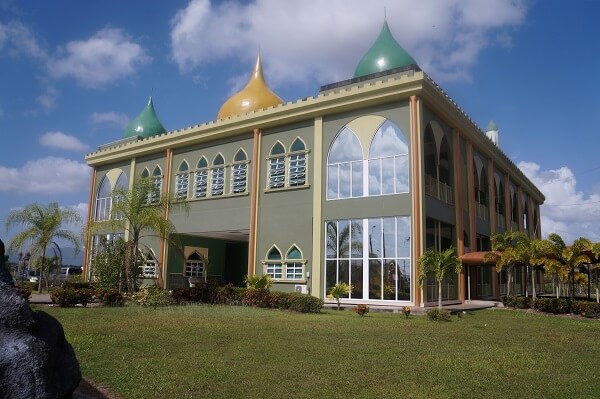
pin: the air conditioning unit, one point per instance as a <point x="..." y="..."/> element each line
<point x="301" y="288"/>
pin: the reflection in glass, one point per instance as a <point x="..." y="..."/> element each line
<point x="356" y="279"/>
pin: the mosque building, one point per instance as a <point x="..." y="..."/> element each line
<point x="351" y="185"/>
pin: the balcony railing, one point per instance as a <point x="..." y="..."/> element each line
<point x="438" y="190"/>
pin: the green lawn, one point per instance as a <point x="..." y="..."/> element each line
<point x="238" y="352"/>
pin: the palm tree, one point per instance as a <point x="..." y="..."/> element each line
<point x="141" y="213"/>
<point x="570" y="258"/>
<point x="511" y="249"/>
<point x="43" y="226"/>
<point x="439" y="263"/>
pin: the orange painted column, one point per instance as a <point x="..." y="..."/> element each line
<point x="458" y="210"/>
<point x="520" y="209"/>
<point x="166" y="192"/>
<point x="416" y="187"/>
<point x="254" y="201"/>
<point x="538" y="227"/>
<point x="86" y="247"/>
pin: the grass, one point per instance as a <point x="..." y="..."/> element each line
<point x="228" y="352"/>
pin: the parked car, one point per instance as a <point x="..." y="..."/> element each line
<point x="66" y="272"/>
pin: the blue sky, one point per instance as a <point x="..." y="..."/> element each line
<point x="73" y="73"/>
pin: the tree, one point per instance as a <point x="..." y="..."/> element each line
<point x="510" y="249"/>
<point x="340" y="290"/>
<point x="440" y="264"/>
<point x="139" y="211"/>
<point x="108" y="264"/>
<point x="43" y="226"/>
<point x="569" y="258"/>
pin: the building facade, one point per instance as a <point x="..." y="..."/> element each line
<point x="350" y="185"/>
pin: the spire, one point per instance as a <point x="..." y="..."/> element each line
<point x="146" y="124"/>
<point x="493" y="133"/>
<point x="254" y="96"/>
<point x="384" y="54"/>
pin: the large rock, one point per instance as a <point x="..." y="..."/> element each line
<point x="36" y="361"/>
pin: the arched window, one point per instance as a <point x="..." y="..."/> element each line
<point x="201" y="187"/>
<point x="388" y="161"/>
<point x="150" y="269"/>
<point x="297" y="163"/>
<point x="121" y="187"/>
<point x="345" y="166"/>
<point x="294" y="267"/>
<point x="276" y="178"/>
<point x="195" y="265"/>
<point x="274" y="265"/>
<point x="182" y="182"/>
<point x="217" y="176"/>
<point x="145" y="173"/>
<point x="239" y="172"/>
<point x="154" y="196"/>
<point x="103" y="200"/>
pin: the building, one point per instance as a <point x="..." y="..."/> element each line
<point x="350" y="185"/>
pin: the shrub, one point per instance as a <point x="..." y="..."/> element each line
<point x="259" y="282"/>
<point x="406" y="311"/>
<point x="553" y="305"/>
<point x="229" y="295"/>
<point x="338" y="291"/>
<point x="437" y="314"/>
<point x="586" y="309"/>
<point x="69" y="297"/>
<point x="24" y="291"/>
<point x="257" y="297"/>
<point x="522" y="302"/>
<point x="77" y="285"/>
<point x="361" y="309"/>
<point x="110" y="297"/>
<point x="151" y="296"/>
<point x="304" y="303"/>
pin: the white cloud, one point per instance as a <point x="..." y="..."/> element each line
<point x="107" y="56"/>
<point x="19" y="39"/>
<point x="109" y="118"/>
<point x="314" y="40"/>
<point x="48" y="98"/>
<point x="566" y="211"/>
<point x="62" y="141"/>
<point x="50" y="175"/>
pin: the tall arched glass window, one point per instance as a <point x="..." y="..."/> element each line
<point x="345" y="166"/>
<point x="297" y="163"/>
<point x="239" y="172"/>
<point x="195" y="266"/>
<point x="217" y="176"/>
<point x="157" y="184"/>
<point x="103" y="200"/>
<point x="121" y="186"/>
<point x="276" y="177"/>
<point x="201" y="186"/>
<point x="182" y="183"/>
<point x="388" y="161"/>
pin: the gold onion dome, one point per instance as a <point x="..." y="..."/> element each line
<point x="146" y="124"/>
<point x="256" y="95"/>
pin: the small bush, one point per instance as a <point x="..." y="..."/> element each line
<point x="304" y="303"/>
<point x="257" y="298"/>
<point x="586" y="309"/>
<point x="110" y="297"/>
<point x="522" y="302"/>
<point x="151" y="297"/>
<point x="553" y="305"/>
<point x="24" y="291"/>
<point x="361" y="309"/>
<point x="27" y="285"/>
<point x="229" y="295"/>
<point x="437" y="314"/>
<point x="406" y="311"/>
<point x="69" y="297"/>
<point x="77" y="284"/>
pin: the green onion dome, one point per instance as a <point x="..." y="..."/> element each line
<point x="384" y="54"/>
<point x="146" y="124"/>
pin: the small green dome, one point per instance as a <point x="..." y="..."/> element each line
<point x="146" y="124"/>
<point x="491" y="126"/>
<point x="384" y="54"/>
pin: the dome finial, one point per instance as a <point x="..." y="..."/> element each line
<point x="146" y="124"/>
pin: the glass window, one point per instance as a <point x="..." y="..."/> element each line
<point x="239" y="172"/>
<point x="194" y="265"/>
<point x="344" y="166"/>
<point x="277" y="166"/>
<point x="388" y="161"/>
<point x="181" y="185"/>
<point x="103" y="200"/>
<point x="154" y="195"/>
<point x="294" y="266"/>
<point x="217" y="176"/>
<point x="297" y="163"/>
<point x="201" y="187"/>
<point x="274" y="266"/>
<point x="150" y="269"/>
